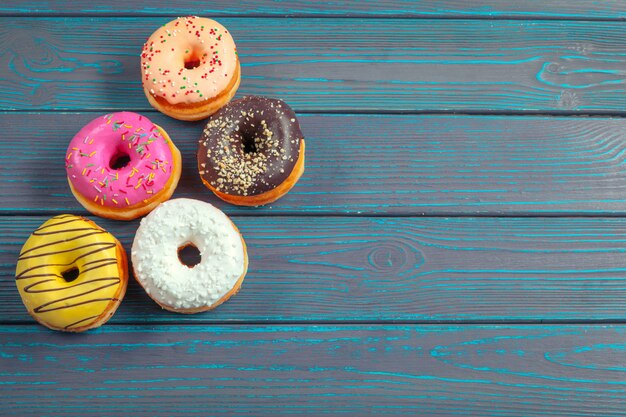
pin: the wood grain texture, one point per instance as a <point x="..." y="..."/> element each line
<point x="315" y="370"/>
<point x="423" y="165"/>
<point x="384" y="269"/>
<point x="572" y="9"/>
<point x="334" y="64"/>
<point x="345" y="277"/>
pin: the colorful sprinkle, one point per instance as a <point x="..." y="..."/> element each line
<point x="214" y="56"/>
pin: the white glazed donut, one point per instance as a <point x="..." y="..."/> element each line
<point x="173" y="285"/>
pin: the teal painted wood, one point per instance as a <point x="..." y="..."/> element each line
<point x="315" y="370"/>
<point x="425" y="165"/>
<point x="336" y="269"/>
<point x="334" y="64"/>
<point x="572" y="9"/>
<point x="333" y="272"/>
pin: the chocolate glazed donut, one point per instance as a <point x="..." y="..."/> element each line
<point x="251" y="152"/>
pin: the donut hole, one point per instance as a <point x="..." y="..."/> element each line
<point x="192" y="63"/>
<point x="249" y="144"/>
<point x="193" y="59"/>
<point x="119" y="160"/>
<point x="189" y="255"/>
<point x="71" y="274"/>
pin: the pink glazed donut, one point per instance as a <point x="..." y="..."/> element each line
<point x="121" y="166"/>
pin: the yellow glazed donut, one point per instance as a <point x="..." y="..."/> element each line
<point x="71" y="274"/>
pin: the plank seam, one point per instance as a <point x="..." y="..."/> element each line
<point x="547" y="322"/>
<point x="321" y="214"/>
<point x="358" y="112"/>
<point x="35" y="15"/>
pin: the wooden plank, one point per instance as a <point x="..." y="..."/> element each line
<point x="334" y="64"/>
<point x="392" y="165"/>
<point x="393" y="269"/>
<point x="315" y="370"/>
<point x="572" y="9"/>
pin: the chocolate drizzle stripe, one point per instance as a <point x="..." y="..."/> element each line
<point x="80" y="321"/>
<point x="93" y="300"/>
<point x="63" y="231"/>
<point x="73" y="262"/>
<point x="75" y="219"/>
<point x="40" y="309"/>
<point x="56" y="242"/>
<point x="99" y="260"/>
<point x="29" y="290"/>
<point x="111" y="261"/>
<point x="39" y="275"/>
<point x="104" y="261"/>
<point x="76" y="248"/>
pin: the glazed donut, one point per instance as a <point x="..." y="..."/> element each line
<point x="190" y="68"/>
<point x="121" y="166"/>
<point x="71" y="274"/>
<point x="252" y="151"/>
<point x="174" y="285"/>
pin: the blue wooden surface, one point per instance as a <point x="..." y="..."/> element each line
<point x="315" y="370"/>
<point x="427" y="165"/>
<point x="354" y="303"/>
<point x="416" y="270"/>
<point x="333" y="64"/>
<point x="492" y="9"/>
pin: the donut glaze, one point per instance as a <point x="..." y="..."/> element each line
<point x="189" y="60"/>
<point x="174" y="286"/>
<point x="63" y="243"/>
<point x="250" y="146"/>
<point x="108" y="138"/>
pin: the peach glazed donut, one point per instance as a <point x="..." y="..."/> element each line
<point x="121" y="166"/>
<point x="175" y="285"/>
<point x="71" y="274"/>
<point x="252" y="151"/>
<point x="190" y="68"/>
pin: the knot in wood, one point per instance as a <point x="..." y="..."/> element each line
<point x="388" y="258"/>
